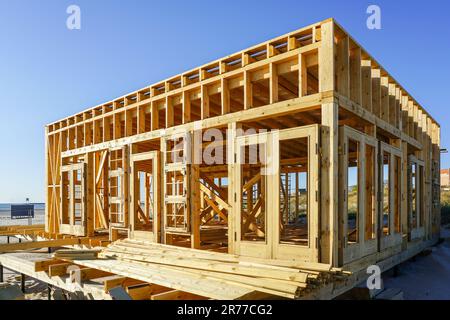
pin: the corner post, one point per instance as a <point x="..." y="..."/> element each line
<point x="329" y="245"/>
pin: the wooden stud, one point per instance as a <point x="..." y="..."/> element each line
<point x="273" y="83"/>
<point x="225" y="97"/>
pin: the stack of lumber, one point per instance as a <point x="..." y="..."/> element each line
<point x="210" y="274"/>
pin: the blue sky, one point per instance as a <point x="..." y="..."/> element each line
<point x="48" y="72"/>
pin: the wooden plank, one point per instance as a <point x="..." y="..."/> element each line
<point x="58" y="270"/>
<point x="186" y="107"/>
<point x="329" y="136"/>
<point x="43" y="265"/>
<point x="248" y="91"/>
<point x="303" y="76"/>
<point x="88" y="274"/>
<point x="355" y="75"/>
<point x="146" y="291"/>
<point x="170" y="120"/>
<point x="110" y="282"/>
<point x="205" y="107"/>
<point x="384" y="99"/>
<point x="225" y="96"/>
<point x="326" y="58"/>
<point x="376" y="92"/>
<point x="171" y="279"/>
<point x="211" y="265"/>
<point x="342" y="66"/>
<point x="154" y="116"/>
<point x="176" y="295"/>
<point x="39" y="244"/>
<point x="273" y="86"/>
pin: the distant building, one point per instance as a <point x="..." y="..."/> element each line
<point x="445" y="178"/>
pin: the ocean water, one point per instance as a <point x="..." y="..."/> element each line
<point x="7" y="206"/>
<point x="5" y="215"/>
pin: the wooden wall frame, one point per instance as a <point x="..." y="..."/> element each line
<point x="175" y="197"/>
<point x="72" y="227"/>
<point x="418" y="231"/>
<point x="258" y="142"/>
<point x="362" y="247"/>
<point x="394" y="237"/>
<point x="153" y="235"/>
<point x="118" y="179"/>
<point x="272" y="247"/>
<point x="283" y="251"/>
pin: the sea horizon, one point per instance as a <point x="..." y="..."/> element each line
<point x="6" y="206"/>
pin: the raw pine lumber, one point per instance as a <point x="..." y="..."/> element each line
<point x="110" y="282"/>
<point x="214" y="289"/>
<point x="69" y="254"/>
<point x="195" y="277"/>
<point x="45" y="264"/>
<point x="233" y="268"/>
<point x="58" y="270"/>
<point x="259" y="275"/>
<point x="88" y="273"/>
<point x="144" y="292"/>
<point x="176" y="295"/>
<point x="146" y="247"/>
<point x="38" y="244"/>
<point x="259" y="283"/>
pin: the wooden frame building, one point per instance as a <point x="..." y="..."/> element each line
<point x="346" y="172"/>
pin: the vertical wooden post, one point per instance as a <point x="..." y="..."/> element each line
<point x="90" y="194"/>
<point x="329" y="244"/>
<point x="186" y="107"/>
<point x="384" y="98"/>
<point x="273" y="90"/>
<point x="204" y="102"/>
<point x="225" y="96"/>
<point x="134" y="195"/>
<point x="96" y="132"/>
<point x="355" y="74"/>
<point x="195" y="205"/>
<point x="106" y="129"/>
<point x="47" y="182"/>
<point x="342" y="66"/>
<point x="392" y="104"/>
<point x="302" y="76"/>
<point x="141" y="119"/>
<point x="376" y="92"/>
<point x="329" y="163"/>
<point x="117" y="127"/>
<point x="233" y="185"/>
<point x="126" y="184"/>
<point x="248" y="90"/>
<point x="87" y="134"/>
<point x="404" y="189"/>
<point x="154" y="116"/>
<point x="366" y="84"/>
<point x="71" y="197"/>
<point x="169" y="112"/>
